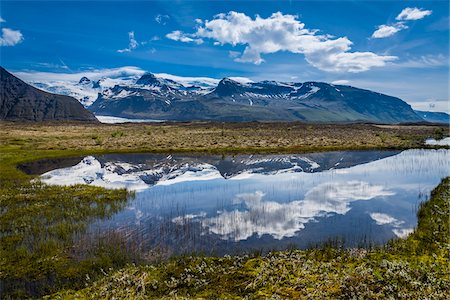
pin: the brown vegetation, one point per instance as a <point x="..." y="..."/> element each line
<point x="230" y="137"/>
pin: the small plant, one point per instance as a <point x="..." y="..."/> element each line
<point x="117" y="133"/>
<point x="439" y="133"/>
<point x="98" y="140"/>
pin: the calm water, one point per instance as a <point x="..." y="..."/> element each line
<point x="230" y="204"/>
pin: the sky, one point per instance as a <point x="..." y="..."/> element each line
<point x="400" y="48"/>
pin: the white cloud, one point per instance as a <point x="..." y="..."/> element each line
<point x="10" y="37"/>
<point x="353" y="62"/>
<point x="415" y="13"/>
<point x="2" y="20"/>
<point x="183" y="37"/>
<point x="133" y="44"/>
<point x="95" y="74"/>
<point x="407" y="14"/>
<point x="438" y="105"/>
<point x="162" y="19"/>
<point x="384" y="31"/>
<point x="281" y="32"/>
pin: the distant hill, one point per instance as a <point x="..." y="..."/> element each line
<point x="153" y="97"/>
<point x="21" y="102"/>
<point x="434" y="117"/>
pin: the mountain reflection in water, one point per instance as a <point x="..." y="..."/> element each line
<point x="237" y="203"/>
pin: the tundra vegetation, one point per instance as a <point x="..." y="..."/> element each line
<point x="41" y="253"/>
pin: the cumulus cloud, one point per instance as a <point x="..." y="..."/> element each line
<point x="10" y="37"/>
<point x="384" y="31"/>
<point x="415" y="13"/>
<point x="281" y="32"/>
<point x="282" y="220"/>
<point x="183" y="37"/>
<point x="407" y="14"/>
<point x="133" y="44"/>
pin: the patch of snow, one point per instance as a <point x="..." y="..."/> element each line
<point x="114" y="120"/>
<point x="190" y="81"/>
<point x="313" y="90"/>
<point x="84" y="93"/>
<point x="203" y="172"/>
<point x="243" y="80"/>
<point x="124" y="94"/>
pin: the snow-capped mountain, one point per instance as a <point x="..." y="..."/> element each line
<point x="86" y="90"/>
<point x="139" y="95"/>
<point x="154" y="97"/>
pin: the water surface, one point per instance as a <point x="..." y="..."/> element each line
<point x="230" y="204"/>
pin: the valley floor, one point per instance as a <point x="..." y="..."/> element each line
<point x="39" y="256"/>
<point x="215" y="137"/>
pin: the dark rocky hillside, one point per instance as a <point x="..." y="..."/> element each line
<point x="21" y="102"/>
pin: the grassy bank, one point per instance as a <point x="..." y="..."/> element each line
<point x="39" y="253"/>
<point x="415" y="268"/>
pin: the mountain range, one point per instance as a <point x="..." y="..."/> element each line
<point x="168" y="97"/>
<point x="21" y="102"/>
<point x="434" y="117"/>
<point x="159" y="98"/>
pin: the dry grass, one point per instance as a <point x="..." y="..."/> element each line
<point x="233" y="137"/>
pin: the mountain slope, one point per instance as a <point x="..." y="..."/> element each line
<point x="22" y="102"/>
<point x="157" y="98"/>
<point x="434" y="117"/>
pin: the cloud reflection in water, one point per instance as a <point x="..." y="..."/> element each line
<point x="281" y="220"/>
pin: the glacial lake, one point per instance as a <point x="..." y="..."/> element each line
<point x="233" y="204"/>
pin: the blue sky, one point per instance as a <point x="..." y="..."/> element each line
<point x="370" y="44"/>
